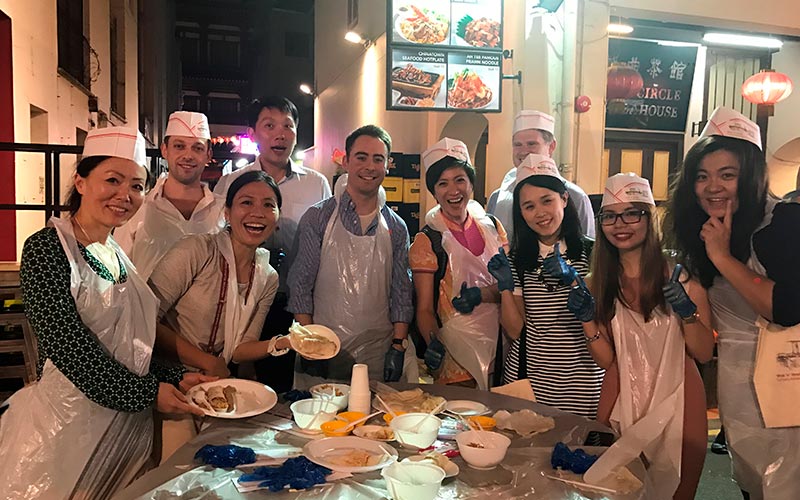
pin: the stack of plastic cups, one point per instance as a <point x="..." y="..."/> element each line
<point x="359" y="389"/>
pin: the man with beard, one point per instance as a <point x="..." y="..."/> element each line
<point x="179" y="204"/>
<point x="273" y="126"/>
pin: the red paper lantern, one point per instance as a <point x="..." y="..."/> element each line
<point x="767" y="87"/>
<point x="623" y="82"/>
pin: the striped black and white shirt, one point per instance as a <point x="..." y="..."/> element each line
<point x="560" y="368"/>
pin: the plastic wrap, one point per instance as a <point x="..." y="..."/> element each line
<point x="56" y="441"/>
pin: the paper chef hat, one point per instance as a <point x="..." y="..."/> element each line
<point x="729" y="123"/>
<point x="188" y="124"/>
<point x="120" y="142"/>
<point x="545" y="171"/>
<point x="627" y="188"/>
<point x="446" y="147"/>
<point x="528" y="118"/>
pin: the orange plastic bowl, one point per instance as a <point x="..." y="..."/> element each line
<point x="388" y="417"/>
<point x="352" y="416"/>
<point x="486" y="423"/>
<point x="335" y="428"/>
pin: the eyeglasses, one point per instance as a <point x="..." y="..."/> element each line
<point x="631" y="216"/>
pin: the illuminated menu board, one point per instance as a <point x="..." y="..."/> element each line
<point x="444" y="55"/>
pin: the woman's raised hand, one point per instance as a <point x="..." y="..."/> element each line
<point x="676" y="295"/>
<point x="557" y="267"/>
<point x="500" y="268"/>
<point x="717" y="234"/>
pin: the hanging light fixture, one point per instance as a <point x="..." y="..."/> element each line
<point x="622" y="82"/>
<point x="767" y="87"/>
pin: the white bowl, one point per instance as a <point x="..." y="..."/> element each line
<point x="411" y="435"/>
<point x="327" y="392"/>
<point x="482" y="458"/>
<point x="309" y="414"/>
<point x="413" y="480"/>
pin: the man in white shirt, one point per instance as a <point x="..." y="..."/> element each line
<point x="533" y="134"/>
<point x="180" y="203"/>
<point x="273" y="126"/>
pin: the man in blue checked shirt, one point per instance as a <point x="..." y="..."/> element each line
<point x="351" y="271"/>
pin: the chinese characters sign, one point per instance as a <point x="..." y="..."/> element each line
<point x="663" y="101"/>
<point x="444" y="55"/>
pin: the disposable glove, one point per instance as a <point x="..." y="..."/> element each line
<point x="393" y="365"/>
<point x="501" y="270"/>
<point x="580" y="302"/>
<point x="557" y="267"/>
<point x="434" y="354"/>
<point x="469" y="298"/>
<point x="677" y="297"/>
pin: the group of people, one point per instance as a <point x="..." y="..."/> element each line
<point x="589" y="308"/>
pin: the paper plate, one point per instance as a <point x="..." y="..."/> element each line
<point x="466" y="408"/>
<point x="252" y="398"/>
<point x="322" y="331"/>
<point x="450" y="470"/>
<point x="324" y="452"/>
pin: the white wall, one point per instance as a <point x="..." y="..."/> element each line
<point x="37" y="83"/>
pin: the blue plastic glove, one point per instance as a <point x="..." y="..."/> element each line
<point x="434" y="354"/>
<point x="228" y="455"/>
<point x="577" y="461"/>
<point x="676" y="295"/>
<point x="501" y="270"/>
<point x="393" y="365"/>
<point x="580" y="302"/>
<point x="469" y="298"/>
<point x="557" y="267"/>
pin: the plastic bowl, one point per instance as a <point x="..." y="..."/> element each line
<point x="335" y="428"/>
<point x="387" y="417"/>
<point x="309" y="414"/>
<point x="411" y="435"/>
<point x="352" y="416"/>
<point x="406" y="480"/>
<point x="486" y="423"/>
<point x="328" y="391"/>
<point x="482" y="458"/>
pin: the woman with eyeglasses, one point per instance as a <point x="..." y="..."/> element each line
<point x="547" y="339"/>
<point x="652" y="394"/>
<point x="742" y="244"/>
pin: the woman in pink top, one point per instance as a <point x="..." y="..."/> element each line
<point x="457" y="312"/>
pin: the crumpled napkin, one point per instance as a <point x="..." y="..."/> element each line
<point x="526" y="423"/>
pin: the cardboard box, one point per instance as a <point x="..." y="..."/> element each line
<point x="396" y="165"/>
<point x="394" y="189"/>
<point x="411" y="191"/>
<point x="409" y="212"/>
<point x="411" y="167"/>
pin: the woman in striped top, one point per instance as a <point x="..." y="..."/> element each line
<point x="548" y="344"/>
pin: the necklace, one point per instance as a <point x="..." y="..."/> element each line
<point x="85" y="234"/>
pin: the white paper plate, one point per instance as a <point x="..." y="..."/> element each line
<point x="364" y="430"/>
<point x="322" y="331"/>
<point x="466" y="408"/>
<point x="252" y="398"/>
<point x="449" y="471"/>
<point x="321" y="451"/>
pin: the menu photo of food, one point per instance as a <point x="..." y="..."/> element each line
<point x="473" y="82"/>
<point x="417" y="79"/>
<point x="476" y="24"/>
<point x="421" y="21"/>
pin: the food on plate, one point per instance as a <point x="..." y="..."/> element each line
<point x="483" y="32"/>
<point x="328" y="389"/>
<point x="377" y="432"/>
<point x="526" y="423"/>
<point x="217" y="398"/>
<point x="467" y="91"/>
<point x="412" y="74"/>
<point x="411" y="401"/>
<point x="354" y="458"/>
<point x="424" y="26"/>
<point x="200" y="398"/>
<point x="475" y="445"/>
<point x="438" y="459"/>
<point x="309" y="343"/>
<point x="230" y="397"/>
<point x="426" y="102"/>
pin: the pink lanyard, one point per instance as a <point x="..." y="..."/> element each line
<point x="223" y="295"/>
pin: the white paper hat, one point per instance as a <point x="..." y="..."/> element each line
<point x="544" y="168"/>
<point x="188" y="124"/>
<point x="528" y="118"/>
<point x="627" y="188"/>
<point x="446" y="147"/>
<point x="120" y="142"/>
<point x="729" y="123"/>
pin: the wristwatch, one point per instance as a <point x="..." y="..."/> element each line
<point x="691" y="319"/>
<point x="401" y="342"/>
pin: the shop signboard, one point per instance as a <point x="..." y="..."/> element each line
<point x="444" y="55"/>
<point x="662" y="103"/>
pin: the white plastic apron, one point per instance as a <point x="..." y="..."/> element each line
<point x="351" y="296"/>
<point x="648" y="413"/>
<point x="766" y="462"/>
<point x="56" y="443"/>
<point x="471" y="339"/>
<point x="162" y="225"/>
<point x="238" y="312"/>
<point x="505" y="202"/>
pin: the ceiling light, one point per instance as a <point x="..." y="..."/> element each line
<point x="670" y="43"/>
<point x="743" y="40"/>
<point x="619" y="28"/>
